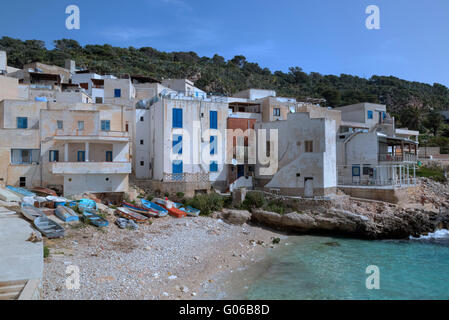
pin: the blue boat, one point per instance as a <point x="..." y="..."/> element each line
<point x="21" y="191"/>
<point x="95" y="219"/>
<point x="191" y="211"/>
<point x="66" y="214"/>
<point x="87" y="204"/>
<point x="158" y="210"/>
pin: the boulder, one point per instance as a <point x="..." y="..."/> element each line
<point x="238" y="217"/>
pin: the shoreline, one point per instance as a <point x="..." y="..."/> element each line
<point x="169" y="259"/>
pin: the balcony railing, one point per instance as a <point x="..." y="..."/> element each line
<point x="397" y="158"/>
<point x="83" y="133"/>
<point x="90" y="167"/>
<point x="348" y="181"/>
<point x="187" y="177"/>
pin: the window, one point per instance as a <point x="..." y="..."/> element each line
<point x="142" y="163"/>
<point x="81" y="156"/>
<point x="117" y="93"/>
<point x="268" y="150"/>
<point x="98" y="100"/>
<point x="126" y="127"/>
<point x="53" y="156"/>
<point x="356" y="171"/>
<point x="108" y="156"/>
<point x="213" y="167"/>
<point x="367" y="170"/>
<point x="22" y="123"/>
<point x="213" y="120"/>
<point x="25" y="156"/>
<point x="177" y="118"/>
<point x="370" y="114"/>
<point x="308" y="146"/>
<point x="177" y="144"/>
<point x="213" y="144"/>
<point x="141" y="119"/>
<point x="60" y="124"/>
<point x="22" y="182"/>
<point x="141" y="141"/>
<point x="177" y="166"/>
<point x="81" y="125"/>
<point x="276" y="112"/>
<point x="105" y="125"/>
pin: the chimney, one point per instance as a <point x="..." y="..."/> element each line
<point x="3" y="62"/>
<point x="70" y="65"/>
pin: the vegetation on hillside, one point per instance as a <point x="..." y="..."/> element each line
<point x="414" y="104"/>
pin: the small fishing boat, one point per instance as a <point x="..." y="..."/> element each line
<point x="172" y="210"/>
<point x="48" y="227"/>
<point x="31" y="213"/>
<point x="66" y="214"/>
<point x="56" y="200"/>
<point x="128" y="214"/>
<point x="95" y="219"/>
<point x="87" y="204"/>
<point x="9" y="196"/>
<point x="41" y="191"/>
<point x="21" y="191"/>
<point x="191" y="211"/>
<point x="159" y="211"/>
<point x="139" y="209"/>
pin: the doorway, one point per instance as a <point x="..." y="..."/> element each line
<point x="308" y="187"/>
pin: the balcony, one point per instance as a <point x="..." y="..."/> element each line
<point x="101" y="136"/>
<point x="187" y="177"/>
<point x="91" y="167"/>
<point x="397" y="158"/>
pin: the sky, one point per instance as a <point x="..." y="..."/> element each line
<point x="325" y="36"/>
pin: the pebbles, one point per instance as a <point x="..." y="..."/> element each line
<point x="129" y="264"/>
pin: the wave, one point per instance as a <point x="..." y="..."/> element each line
<point x="441" y="234"/>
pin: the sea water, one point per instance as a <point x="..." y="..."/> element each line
<point x="313" y="267"/>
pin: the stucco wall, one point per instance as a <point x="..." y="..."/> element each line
<point x="9" y="88"/>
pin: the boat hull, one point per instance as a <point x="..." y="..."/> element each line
<point x="95" y="219"/>
<point x="158" y="210"/>
<point x="141" y="210"/>
<point x="66" y="214"/>
<point x="173" y="211"/>
<point x="48" y="227"/>
<point x="128" y="214"/>
<point x="31" y="213"/>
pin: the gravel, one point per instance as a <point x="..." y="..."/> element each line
<point x="168" y="259"/>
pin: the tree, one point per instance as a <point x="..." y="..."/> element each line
<point x="433" y="121"/>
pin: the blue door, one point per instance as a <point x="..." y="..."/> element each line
<point x="240" y="170"/>
<point x="81" y="156"/>
<point x="108" y="156"/>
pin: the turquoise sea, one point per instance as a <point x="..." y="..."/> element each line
<point x="313" y="267"/>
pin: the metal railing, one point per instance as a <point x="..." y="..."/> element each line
<point x="187" y="177"/>
<point x="397" y="158"/>
<point x="348" y="181"/>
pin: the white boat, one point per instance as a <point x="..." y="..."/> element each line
<point x="31" y="213"/>
<point x="9" y="196"/>
<point x="66" y="214"/>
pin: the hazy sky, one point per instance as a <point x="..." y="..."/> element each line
<point x="326" y="36"/>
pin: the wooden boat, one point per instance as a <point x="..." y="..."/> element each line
<point x="9" y="196"/>
<point x="158" y="210"/>
<point x="48" y="227"/>
<point x="95" y="219"/>
<point x="128" y="214"/>
<point x="21" y="191"/>
<point x="41" y="191"/>
<point x="169" y="206"/>
<point x="66" y="214"/>
<point x="191" y="211"/>
<point x="31" y="213"/>
<point x="139" y="209"/>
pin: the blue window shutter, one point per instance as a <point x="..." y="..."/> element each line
<point x="177" y="166"/>
<point x="213" y="144"/>
<point x="117" y="93"/>
<point x="370" y="114"/>
<point x="177" y="118"/>
<point x="108" y="156"/>
<point x="213" y="120"/>
<point x="213" y="166"/>
<point x="177" y="144"/>
<point x="22" y="123"/>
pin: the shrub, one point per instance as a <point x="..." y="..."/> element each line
<point x="46" y="252"/>
<point x="254" y="200"/>
<point x="166" y="194"/>
<point x="180" y="194"/>
<point x="432" y="172"/>
<point x="150" y="197"/>
<point x="206" y="202"/>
